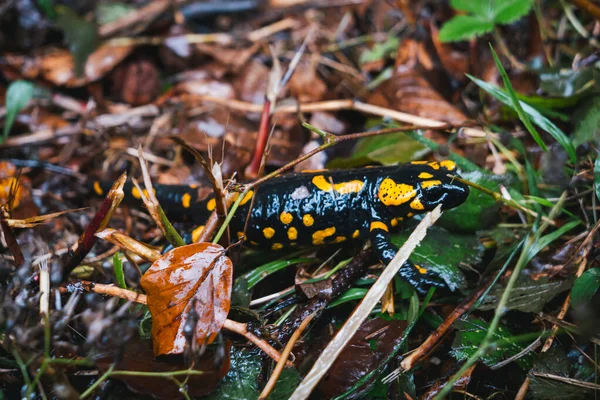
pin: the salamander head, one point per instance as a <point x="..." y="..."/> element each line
<point x="421" y="186"/>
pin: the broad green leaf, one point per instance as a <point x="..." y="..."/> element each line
<point x="481" y="8"/>
<point x="507" y="11"/>
<point x="472" y="332"/>
<point x="442" y="253"/>
<point x="556" y="362"/>
<point x="286" y="384"/>
<point x="528" y="295"/>
<point x="109" y="12"/>
<point x="258" y="274"/>
<point x="536" y="117"/>
<point x="464" y="27"/>
<point x="384" y="149"/>
<point x="81" y="36"/>
<point x="585" y="287"/>
<point x="480" y="210"/>
<point x="515" y="104"/>
<point x="18" y="95"/>
<point x="241" y="382"/>
<point x="597" y="176"/>
<point x="587" y="122"/>
<point x="118" y="269"/>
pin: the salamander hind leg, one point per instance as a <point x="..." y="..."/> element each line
<point x="420" y="278"/>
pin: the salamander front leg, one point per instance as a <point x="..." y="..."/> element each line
<point x="418" y="277"/>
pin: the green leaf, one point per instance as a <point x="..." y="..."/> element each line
<point x="587" y="122"/>
<point x="464" y="27"/>
<point x="286" y="384"/>
<point x="390" y="149"/>
<point x="507" y="11"/>
<point x="556" y="362"/>
<point x="380" y="50"/>
<point x="81" y="36"/>
<point x="47" y="7"/>
<point x="528" y="295"/>
<point x="597" y="176"/>
<point x="258" y="274"/>
<point x="473" y="331"/>
<point x="18" y="95"/>
<point x="585" y="287"/>
<point x="481" y="8"/>
<point x="515" y="104"/>
<point x="241" y="382"/>
<point x="536" y="116"/>
<point x="458" y="250"/>
<point x="118" y="269"/>
<point x="479" y="211"/>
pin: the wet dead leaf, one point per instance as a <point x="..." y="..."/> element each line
<point x="369" y="347"/>
<point x="408" y="91"/>
<point x="197" y="275"/>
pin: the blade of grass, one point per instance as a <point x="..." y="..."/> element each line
<point x="541" y="121"/>
<point x="516" y="104"/>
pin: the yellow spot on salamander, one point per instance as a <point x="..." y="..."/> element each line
<point x="410" y="215"/>
<point x="428" y="184"/>
<point x="339" y="239"/>
<point x="185" y="200"/>
<point x="378" y="225"/>
<point x="418" y="162"/>
<point x="394" y="194"/>
<point x="356" y="234"/>
<point x="98" y="188"/>
<point x="247" y="197"/>
<point x="416" y="205"/>
<point x="268" y="232"/>
<point x="211" y="205"/>
<point x="425" y="175"/>
<point x="421" y="269"/>
<point x="197" y="232"/>
<point x="308" y="220"/>
<point x="277" y="246"/>
<point x="341" y="188"/>
<point x="136" y="193"/>
<point x="434" y="165"/>
<point x="319" y="236"/>
<point x="292" y="233"/>
<point x="286" y="218"/>
<point x="449" y="165"/>
<point x="394" y="223"/>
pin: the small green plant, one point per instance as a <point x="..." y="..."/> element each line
<point x="482" y="17"/>
<point x="18" y="95"/>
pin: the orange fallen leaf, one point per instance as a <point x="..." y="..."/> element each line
<point x="198" y="275"/>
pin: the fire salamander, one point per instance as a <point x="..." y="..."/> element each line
<point x="329" y="206"/>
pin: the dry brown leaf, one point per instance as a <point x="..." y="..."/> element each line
<point x="198" y="275"/>
<point x="408" y="91"/>
<point x="57" y="66"/>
